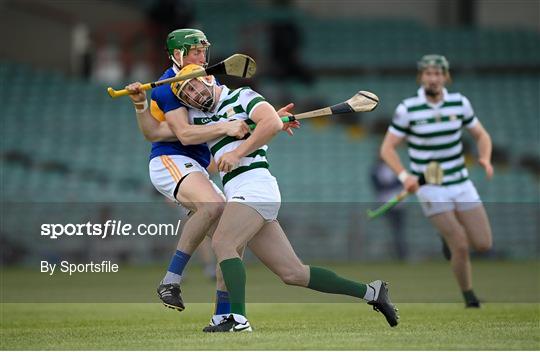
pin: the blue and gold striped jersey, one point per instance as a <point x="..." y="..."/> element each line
<point x="162" y="101"/>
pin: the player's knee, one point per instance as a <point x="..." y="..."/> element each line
<point x="295" y="276"/>
<point x="460" y="249"/>
<point x="217" y="244"/>
<point x="216" y="209"/>
<point x="211" y="210"/>
<point x="221" y="246"/>
<point x="484" y="246"/>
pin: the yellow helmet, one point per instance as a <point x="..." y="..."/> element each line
<point x="177" y="86"/>
<point x="201" y="99"/>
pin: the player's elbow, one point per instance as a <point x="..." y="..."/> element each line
<point x="484" y="136"/>
<point x="383" y="151"/>
<point x="151" y="137"/>
<point x="185" y="138"/>
<point x="276" y="126"/>
<point x="187" y="141"/>
<point x="271" y="126"/>
<point x="279" y="125"/>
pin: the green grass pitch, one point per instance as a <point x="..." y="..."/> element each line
<point x="503" y="323"/>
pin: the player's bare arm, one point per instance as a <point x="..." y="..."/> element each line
<point x="194" y="134"/>
<point x="177" y="121"/>
<point x="268" y="124"/>
<point x="152" y="130"/>
<point x="156" y="131"/>
<point x="483" y="141"/>
<point x="390" y="156"/>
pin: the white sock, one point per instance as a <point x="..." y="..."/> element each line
<point x="372" y="290"/>
<point x="171" y="278"/>
<point x="217" y="318"/>
<point x="239" y="318"/>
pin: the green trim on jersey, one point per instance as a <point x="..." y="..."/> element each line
<point x="235" y="104"/>
<point x="468" y="121"/>
<point x="418" y="108"/>
<point x="460" y="180"/>
<point x="237" y="109"/>
<point x="425" y="106"/>
<point x="223" y="142"/>
<point x="240" y="170"/>
<point x="399" y="128"/>
<point x="232" y="99"/>
<point x="252" y="103"/>
<point x="452" y="103"/>
<point x="207" y="119"/>
<point x="434" y="146"/>
<point x="439" y="160"/>
<point x="433" y="134"/>
<point x="454" y="169"/>
<point x="436" y="120"/>
<point x="259" y="152"/>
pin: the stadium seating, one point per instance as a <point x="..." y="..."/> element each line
<point x="65" y="140"/>
<point x="351" y="43"/>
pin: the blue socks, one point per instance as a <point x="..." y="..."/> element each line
<point x="176" y="268"/>
<point x="223" y="305"/>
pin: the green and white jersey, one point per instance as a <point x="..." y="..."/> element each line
<point x="433" y="132"/>
<point x="236" y="104"/>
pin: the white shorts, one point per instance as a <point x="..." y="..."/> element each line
<point x="258" y="189"/>
<point x="440" y="199"/>
<point x="167" y="170"/>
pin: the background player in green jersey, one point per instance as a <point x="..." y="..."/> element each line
<point x="431" y="122"/>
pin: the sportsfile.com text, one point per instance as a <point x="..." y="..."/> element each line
<point x="109" y="228"/>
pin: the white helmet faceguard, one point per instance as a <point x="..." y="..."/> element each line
<point x="199" y="93"/>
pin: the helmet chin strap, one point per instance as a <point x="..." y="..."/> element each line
<point x="193" y="99"/>
<point x="181" y="64"/>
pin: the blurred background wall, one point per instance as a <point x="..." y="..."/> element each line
<point x="71" y="154"/>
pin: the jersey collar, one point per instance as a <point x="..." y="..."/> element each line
<point x="422" y="95"/>
<point x="224" y="93"/>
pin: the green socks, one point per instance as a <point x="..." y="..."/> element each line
<point x="234" y="275"/>
<point x="324" y="280"/>
<point x="320" y="279"/>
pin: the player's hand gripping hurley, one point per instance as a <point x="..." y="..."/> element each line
<point x="433" y="175"/>
<point x="362" y="101"/>
<point x="237" y="65"/>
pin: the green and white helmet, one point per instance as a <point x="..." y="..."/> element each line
<point x="435" y="61"/>
<point x="184" y="40"/>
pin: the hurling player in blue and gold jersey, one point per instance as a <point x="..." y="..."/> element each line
<point x="178" y="166"/>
